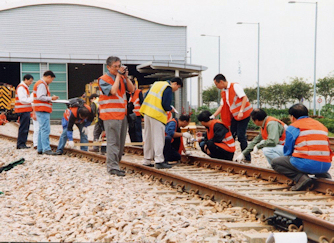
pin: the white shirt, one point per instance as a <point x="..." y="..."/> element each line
<point x="239" y="91"/>
<point x="22" y="94"/>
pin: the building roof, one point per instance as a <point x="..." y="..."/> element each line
<point x="105" y="4"/>
<point x="165" y="70"/>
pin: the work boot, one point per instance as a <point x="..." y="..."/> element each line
<point x="50" y="152"/>
<point x="39" y="152"/>
<point x="22" y="147"/>
<point x="59" y="152"/>
<point x="163" y="165"/>
<point x="149" y="165"/>
<point x="94" y="150"/>
<point x="302" y="183"/>
<point x="117" y="172"/>
<point x="323" y="176"/>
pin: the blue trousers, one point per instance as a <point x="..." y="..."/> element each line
<point x="63" y="139"/>
<point x="23" y="129"/>
<point x="43" y="119"/>
<point x="170" y="152"/>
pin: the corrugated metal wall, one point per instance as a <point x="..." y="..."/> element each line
<point x="76" y="29"/>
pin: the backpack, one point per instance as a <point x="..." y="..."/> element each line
<point x="75" y="102"/>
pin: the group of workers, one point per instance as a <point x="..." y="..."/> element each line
<point x="295" y="151"/>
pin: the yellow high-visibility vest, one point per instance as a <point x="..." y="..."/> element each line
<point x="152" y="106"/>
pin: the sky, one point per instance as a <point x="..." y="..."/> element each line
<point x="287" y="37"/>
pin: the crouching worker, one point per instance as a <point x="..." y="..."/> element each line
<point x="82" y="117"/>
<point x="174" y="138"/>
<point x="218" y="141"/>
<point x="306" y="150"/>
<point x="271" y="138"/>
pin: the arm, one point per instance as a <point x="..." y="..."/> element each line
<point x="291" y="135"/>
<point x="166" y="100"/>
<point x="217" y="112"/>
<point x="274" y="130"/>
<point x="141" y="98"/>
<point x="23" y="96"/>
<point x="243" y="104"/>
<point x="115" y="87"/>
<point x="70" y="125"/>
<point x="252" y="144"/>
<point x="170" y="129"/>
<point x="219" y="133"/>
<point x="42" y="93"/>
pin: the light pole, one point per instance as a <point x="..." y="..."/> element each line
<point x="258" y="62"/>
<point x="315" y="54"/>
<point x="218" y="59"/>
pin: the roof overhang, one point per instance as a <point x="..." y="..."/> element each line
<point x="165" y="70"/>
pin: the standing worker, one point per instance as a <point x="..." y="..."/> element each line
<point x="135" y="131"/>
<point x="156" y="103"/>
<point x="235" y="109"/>
<point x="271" y="138"/>
<point x="113" y="86"/>
<point x="218" y="141"/>
<point x="174" y="138"/>
<point x="23" y="108"/>
<point x="306" y="149"/>
<point x="43" y="107"/>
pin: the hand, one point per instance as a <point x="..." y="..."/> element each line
<point x="71" y="144"/>
<point x="240" y="157"/>
<point x="85" y="130"/>
<point x="55" y="97"/>
<point x="256" y="150"/>
<point x="187" y="135"/>
<point x="240" y="114"/>
<point x="187" y="153"/>
<point x="34" y="117"/>
<point x="199" y="134"/>
<point x="212" y="117"/>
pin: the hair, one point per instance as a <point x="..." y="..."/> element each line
<point x="27" y="77"/>
<point x="84" y="112"/>
<point x="92" y="96"/>
<point x="184" y="118"/>
<point x="112" y="59"/>
<point x="204" y="116"/>
<point x="178" y="81"/>
<point x="219" y="77"/>
<point x="49" y="73"/>
<point x="258" y="114"/>
<point x="298" y="110"/>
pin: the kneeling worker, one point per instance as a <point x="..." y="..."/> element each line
<point x="174" y="138"/>
<point x="271" y="138"/>
<point x="218" y="141"/>
<point x="306" y="149"/>
<point x="82" y="117"/>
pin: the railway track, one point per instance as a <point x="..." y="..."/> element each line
<point x="263" y="192"/>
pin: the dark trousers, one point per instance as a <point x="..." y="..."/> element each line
<point x="283" y="166"/>
<point x="135" y="131"/>
<point x="170" y="152"/>
<point x="23" y="129"/>
<point x="238" y="129"/>
<point x="216" y="151"/>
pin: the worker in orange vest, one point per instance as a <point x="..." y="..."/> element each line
<point x="218" y="141"/>
<point x="23" y="108"/>
<point x="43" y="107"/>
<point x="113" y="110"/>
<point x="235" y="109"/>
<point x="271" y="138"/>
<point x="306" y="150"/>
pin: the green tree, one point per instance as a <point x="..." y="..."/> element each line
<point x="251" y="94"/>
<point x="210" y="94"/>
<point x="278" y="95"/>
<point x="325" y="88"/>
<point x="299" y="89"/>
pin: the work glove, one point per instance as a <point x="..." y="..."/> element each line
<point x="71" y="144"/>
<point x="193" y="140"/>
<point x="240" y="157"/>
<point x="256" y="150"/>
<point x="187" y="153"/>
<point x="85" y="130"/>
<point x="187" y="135"/>
<point x="212" y="117"/>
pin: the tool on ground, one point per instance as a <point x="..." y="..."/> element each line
<point x="12" y="165"/>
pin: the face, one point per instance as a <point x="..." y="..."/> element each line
<point x="29" y="81"/>
<point x="175" y="86"/>
<point x="257" y="123"/>
<point x="48" y="79"/>
<point x="114" y="67"/>
<point x="220" y="85"/>
<point x="183" y="123"/>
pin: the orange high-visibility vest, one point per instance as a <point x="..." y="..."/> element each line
<point x="20" y="107"/>
<point x="235" y="104"/>
<point x="312" y="142"/>
<point x="39" y="105"/>
<point x="181" y="147"/>
<point x="225" y="113"/>
<point x="264" y="132"/>
<point x="74" y="111"/>
<point x="227" y="143"/>
<point x="112" y="107"/>
<point x="135" y="100"/>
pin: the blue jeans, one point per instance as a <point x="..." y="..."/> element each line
<point x="238" y="129"/>
<point x="23" y="129"/>
<point x="273" y="152"/>
<point x="43" y="119"/>
<point x="63" y="139"/>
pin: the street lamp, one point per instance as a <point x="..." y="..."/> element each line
<point x="258" y="61"/>
<point x="315" y="54"/>
<point x="218" y="59"/>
